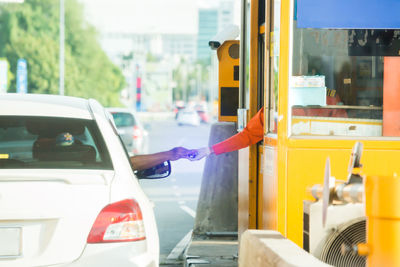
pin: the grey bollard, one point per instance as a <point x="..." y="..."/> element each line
<point x="217" y="208"/>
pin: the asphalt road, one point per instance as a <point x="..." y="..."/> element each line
<point x="175" y="197"/>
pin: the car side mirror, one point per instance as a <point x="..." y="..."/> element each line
<point x="157" y="172"/>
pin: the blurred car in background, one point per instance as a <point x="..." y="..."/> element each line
<point x="188" y="117"/>
<point x="179" y="105"/>
<point x="201" y="110"/>
<point x="133" y="134"/>
<point x="69" y="196"/>
<point x="204" y="118"/>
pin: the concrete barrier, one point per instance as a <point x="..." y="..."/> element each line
<point x="217" y="206"/>
<point x="266" y="248"/>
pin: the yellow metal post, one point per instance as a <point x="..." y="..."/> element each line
<point x="383" y="220"/>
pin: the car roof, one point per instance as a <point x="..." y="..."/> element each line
<point x="13" y="104"/>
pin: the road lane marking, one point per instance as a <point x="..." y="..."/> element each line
<point x="188" y="210"/>
<point x="180" y="247"/>
<point x="182" y="202"/>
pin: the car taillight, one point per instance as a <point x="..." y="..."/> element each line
<point x="137" y="133"/>
<point x="118" y="222"/>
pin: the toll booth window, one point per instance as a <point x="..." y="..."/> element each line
<point x="345" y="82"/>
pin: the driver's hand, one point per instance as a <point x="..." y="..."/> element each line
<point x="178" y="153"/>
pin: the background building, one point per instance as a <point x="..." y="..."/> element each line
<point x="208" y="27"/>
<point x="226" y="14"/>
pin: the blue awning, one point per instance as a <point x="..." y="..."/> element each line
<point x="348" y="14"/>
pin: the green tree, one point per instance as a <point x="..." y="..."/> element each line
<point x="31" y="31"/>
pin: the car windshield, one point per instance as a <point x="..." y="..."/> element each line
<point x="51" y="143"/>
<point x="123" y="119"/>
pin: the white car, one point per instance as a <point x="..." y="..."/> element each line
<point x="68" y="195"/>
<point x="188" y="117"/>
<point x="131" y="130"/>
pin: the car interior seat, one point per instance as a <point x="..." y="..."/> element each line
<point x="45" y="149"/>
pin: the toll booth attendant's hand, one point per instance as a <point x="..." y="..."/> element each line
<point x="197" y="154"/>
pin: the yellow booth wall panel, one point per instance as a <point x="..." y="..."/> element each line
<point x="268" y="189"/>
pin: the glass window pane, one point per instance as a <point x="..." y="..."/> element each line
<point x="51" y="143"/>
<point x="343" y="81"/>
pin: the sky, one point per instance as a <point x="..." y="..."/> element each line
<point x="145" y="16"/>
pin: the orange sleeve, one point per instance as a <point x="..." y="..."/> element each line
<point x="250" y="135"/>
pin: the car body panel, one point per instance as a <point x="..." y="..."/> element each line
<point x="44" y="105"/>
<point x="94" y="256"/>
<point x="55" y="209"/>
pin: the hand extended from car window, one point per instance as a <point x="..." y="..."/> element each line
<point x="197" y="154"/>
<point x="178" y="153"/>
<point x="142" y="162"/>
